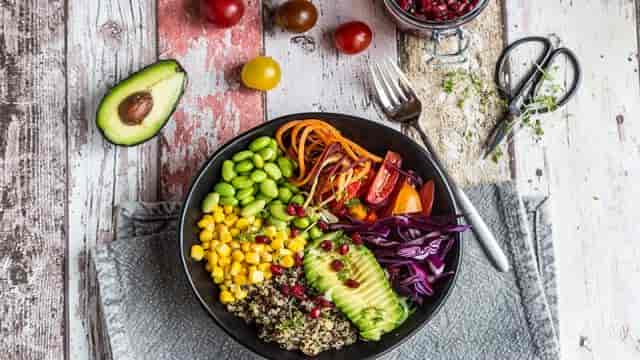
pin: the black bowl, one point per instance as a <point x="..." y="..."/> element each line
<point x="374" y="137"/>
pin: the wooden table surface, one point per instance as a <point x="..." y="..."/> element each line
<point x="60" y="181"/>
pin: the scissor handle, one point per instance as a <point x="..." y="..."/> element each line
<point x="573" y="88"/>
<point x="501" y="69"/>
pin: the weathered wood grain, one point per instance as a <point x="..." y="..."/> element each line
<point x="215" y="107"/>
<point x="458" y="132"/>
<point x="33" y="172"/>
<point x="589" y="163"/>
<point x="316" y="77"/>
<point x="106" y="42"/>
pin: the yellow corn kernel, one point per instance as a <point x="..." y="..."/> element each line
<point x="287" y="261"/>
<point x="206" y="235"/>
<point x="244" y="270"/>
<point x="234" y="244"/>
<point x="203" y="223"/>
<point x="251" y="219"/>
<point x="252" y="257"/>
<point x="235" y="268"/>
<point x="234" y="232"/>
<point x="197" y="252"/>
<point x="205" y="245"/>
<point x="285" y="252"/>
<point x="225" y="236"/>
<point x="228" y="209"/>
<point x="228" y="284"/>
<point x="295" y="244"/>
<point x="256" y="276"/>
<point x="240" y="294"/>
<point x="270" y="231"/>
<point x="230" y="220"/>
<point x="218" y="217"/>
<point x="223" y="287"/>
<point x="245" y="246"/>
<point x="237" y="255"/>
<point x="281" y="235"/>
<point x="268" y="248"/>
<point x="224" y="261"/>
<point x="212" y="257"/>
<point x="218" y="280"/>
<point x="266" y="257"/>
<point x="226" y="297"/>
<point x="259" y="248"/>
<point x="268" y="275"/>
<point x="264" y="267"/>
<point x="217" y="272"/>
<point x="240" y="279"/>
<point x="257" y="223"/>
<point x="223" y="249"/>
<point x="208" y="267"/>
<point x="242" y="224"/>
<point x="277" y="244"/>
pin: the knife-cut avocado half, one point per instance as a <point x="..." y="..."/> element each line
<point x="137" y="108"/>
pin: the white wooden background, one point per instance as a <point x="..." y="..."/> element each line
<point x="59" y="180"/>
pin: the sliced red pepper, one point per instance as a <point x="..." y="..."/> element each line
<point x="385" y="180"/>
<point x="427" y="193"/>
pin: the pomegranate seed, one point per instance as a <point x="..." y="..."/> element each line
<point x="294" y="232"/>
<point x="356" y="238"/>
<point x="326" y="245"/>
<point x="315" y="313"/>
<point x="344" y="249"/>
<point x="352" y="283"/>
<point x="276" y="269"/>
<point x="337" y="265"/>
<point x="291" y="209"/>
<point x="298" y="291"/>
<point x="323" y="225"/>
<point x="300" y="211"/>
<point x="285" y="290"/>
<point x="297" y="259"/>
<point x="261" y="239"/>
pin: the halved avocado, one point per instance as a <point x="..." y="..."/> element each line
<point x="136" y="109"/>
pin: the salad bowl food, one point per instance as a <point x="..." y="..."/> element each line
<point x="290" y="270"/>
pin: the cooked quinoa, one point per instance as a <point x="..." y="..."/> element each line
<point x="286" y="320"/>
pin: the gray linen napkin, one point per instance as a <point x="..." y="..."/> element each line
<point x="151" y="313"/>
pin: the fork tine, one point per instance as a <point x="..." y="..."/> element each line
<point x="383" y="98"/>
<point x="386" y="80"/>
<point x="393" y="81"/>
<point x="404" y="82"/>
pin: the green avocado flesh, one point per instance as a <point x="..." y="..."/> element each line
<point x="373" y="307"/>
<point x="164" y="81"/>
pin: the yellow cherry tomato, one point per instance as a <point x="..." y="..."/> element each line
<point x="261" y="73"/>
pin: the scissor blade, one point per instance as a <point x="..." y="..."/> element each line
<point x="498" y="135"/>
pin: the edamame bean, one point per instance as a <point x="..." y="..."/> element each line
<point x="242" y="182"/>
<point x="228" y="200"/>
<point x="244" y="166"/>
<point x="210" y="202"/>
<point x="273" y="144"/>
<point x="301" y="222"/>
<point x="273" y="171"/>
<point x="260" y="143"/>
<point x="315" y="232"/>
<point x="258" y="176"/>
<point x="269" y="188"/>
<point x="279" y="224"/>
<point x="227" y="170"/>
<point x="284" y="194"/>
<point x="304" y="235"/>
<point x="253" y="209"/>
<point x="224" y="189"/>
<point x="242" y="155"/>
<point x="258" y="161"/>
<point x="263" y="197"/>
<point x="244" y="193"/>
<point x="297" y="199"/>
<point x="294" y="189"/>
<point x="279" y="211"/>
<point x="285" y="167"/>
<point x="267" y="154"/>
<point x="275" y="201"/>
<point x="314" y="217"/>
<point x="246" y="201"/>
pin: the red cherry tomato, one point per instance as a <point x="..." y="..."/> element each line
<point x="353" y="37"/>
<point x="385" y="180"/>
<point x="223" y="13"/>
<point x="426" y="197"/>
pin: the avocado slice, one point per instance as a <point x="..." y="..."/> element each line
<point x="137" y="108"/>
<point x="373" y="307"/>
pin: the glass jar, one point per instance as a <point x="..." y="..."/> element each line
<point x="437" y="30"/>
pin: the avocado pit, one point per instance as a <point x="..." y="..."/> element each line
<point x="135" y="108"/>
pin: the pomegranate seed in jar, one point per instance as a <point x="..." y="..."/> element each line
<point x="291" y="209"/>
<point x="352" y="283"/>
<point x="344" y="249"/>
<point x="261" y="239"/>
<point x="356" y="238"/>
<point x="326" y="245"/>
<point x="337" y="265"/>
<point x="276" y="269"/>
<point x="315" y="313"/>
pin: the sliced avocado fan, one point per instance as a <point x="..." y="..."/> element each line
<point x="373" y="307"/>
<point x="135" y="110"/>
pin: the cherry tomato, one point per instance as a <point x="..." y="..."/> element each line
<point x="353" y="37"/>
<point x="407" y="201"/>
<point x="426" y="196"/>
<point x="385" y="180"/>
<point x="223" y="13"/>
<point x="261" y="73"/>
<point x="297" y="15"/>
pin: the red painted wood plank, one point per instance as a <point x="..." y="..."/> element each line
<point x="215" y="107"/>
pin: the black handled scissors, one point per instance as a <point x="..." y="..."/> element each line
<point x="523" y="96"/>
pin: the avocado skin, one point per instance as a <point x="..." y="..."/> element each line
<point x="175" y="105"/>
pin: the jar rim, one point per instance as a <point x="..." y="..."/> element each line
<point x="416" y="21"/>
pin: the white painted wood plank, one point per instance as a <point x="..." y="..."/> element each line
<point x="590" y="163"/>
<point x="106" y="42"/>
<point x="325" y="80"/>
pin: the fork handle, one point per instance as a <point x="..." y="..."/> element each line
<point x="479" y="227"/>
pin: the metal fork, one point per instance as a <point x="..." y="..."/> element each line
<point x="400" y="103"/>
